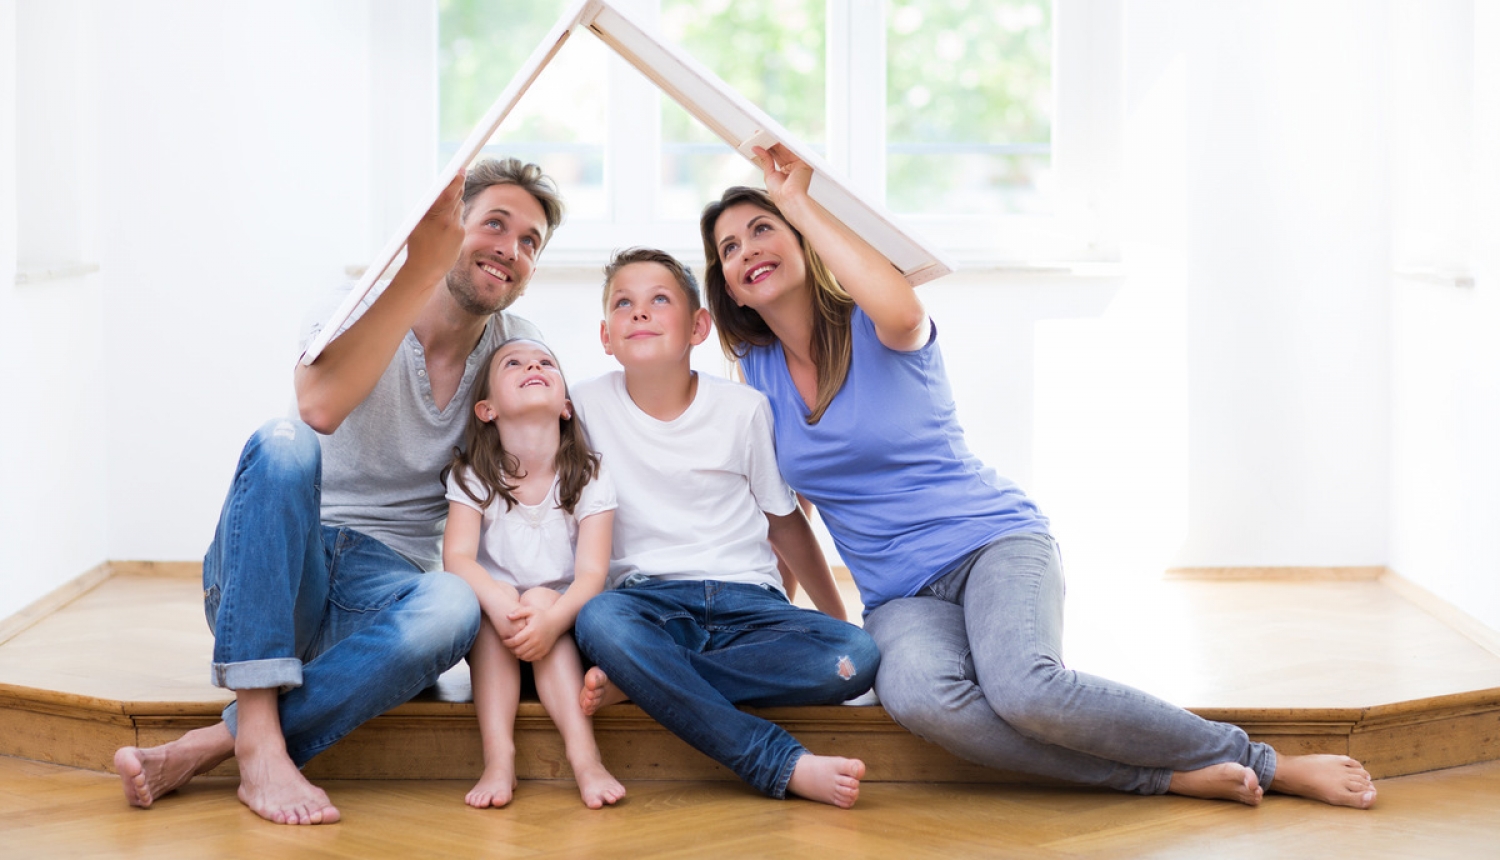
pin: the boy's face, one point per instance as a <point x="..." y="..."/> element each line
<point x="647" y="319"/>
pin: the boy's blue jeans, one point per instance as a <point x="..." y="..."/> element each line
<point x="688" y="652"/>
<point x="346" y="627"/>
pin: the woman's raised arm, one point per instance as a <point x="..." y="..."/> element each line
<point x="878" y="287"/>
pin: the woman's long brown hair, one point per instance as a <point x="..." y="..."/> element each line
<point x="741" y="328"/>
<point x="483" y="454"/>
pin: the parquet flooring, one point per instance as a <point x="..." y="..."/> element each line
<point x="51" y="811"/>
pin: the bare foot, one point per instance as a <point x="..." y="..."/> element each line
<point x="1335" y="779"/>
<point x="1226" y="781"/>
<point x="148" y="774"/>
<point x="597" y="786"/>
<point x="496" y="786"/>
<point x="277" y="791"/>
<point x="827" y="779"/>
<point x="598" y="691"/>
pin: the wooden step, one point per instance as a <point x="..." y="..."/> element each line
<point x="1309" y="665"/>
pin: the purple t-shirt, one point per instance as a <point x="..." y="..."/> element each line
<point x="887" y="466"/>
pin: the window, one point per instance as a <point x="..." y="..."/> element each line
<point x="988" y="126"/>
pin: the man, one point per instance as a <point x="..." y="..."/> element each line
<point x="320" y="584"/>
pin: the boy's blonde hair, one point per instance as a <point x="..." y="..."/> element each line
<point x="680" y="273"/>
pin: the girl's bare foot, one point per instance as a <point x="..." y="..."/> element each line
<point x="597" y="786"/>
<point x="827" y="779"/>
<point x="148" y="774"/>
<point x="495" y="788"/>
<point x="598" y="691"/>
<point x="277" y="791"/>
<point x="1334" y="779"/>
<point x="1225" y="781"/>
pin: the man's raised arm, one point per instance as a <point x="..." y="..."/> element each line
<point x="346" y="371"/>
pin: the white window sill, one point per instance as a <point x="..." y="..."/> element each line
<point x="60" y="272"/>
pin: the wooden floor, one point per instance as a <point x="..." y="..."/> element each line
<point x="1309" y="665"/>
<point x="52" y="811"/>
<point x="1322" y="664"/>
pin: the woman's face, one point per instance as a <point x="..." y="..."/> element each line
<point x="760" y="255"/>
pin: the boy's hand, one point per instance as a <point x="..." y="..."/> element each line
<point x="536" y="633"/>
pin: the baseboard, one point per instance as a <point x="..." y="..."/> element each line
<point x="1320" y="574"/>
<point x="14" y="625"/>
<point x="1477" y="631"/>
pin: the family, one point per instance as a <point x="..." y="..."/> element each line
<point x="444" y="494"/>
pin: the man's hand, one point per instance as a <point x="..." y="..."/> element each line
<point x="433" y="246"/>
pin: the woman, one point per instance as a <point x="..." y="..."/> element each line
<point x="960" y="578"/>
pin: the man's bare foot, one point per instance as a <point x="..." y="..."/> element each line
<point x="598" y="691"/>
<point x="277" y="791"/>
<point x="1225" y="781"/>
<point x="597" y="786"/>
<point x="1335" y="779"/>
<point x="496" y="786"/>
<point x="148" y="774"/>
<point x="827" y="779"/>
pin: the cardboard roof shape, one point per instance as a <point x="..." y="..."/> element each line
<point x="741" y="124"/>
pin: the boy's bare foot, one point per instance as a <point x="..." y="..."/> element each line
<point x="277" y="791"/>
<point x="495" y="788"/>
<point x="598" y="691"/>
<point x="1226" y="781"/>
<point x="597" y="786"/>
<point x="148" y="774"/>
<point x="827" y="779"/>
<point x="1335" y="779"/>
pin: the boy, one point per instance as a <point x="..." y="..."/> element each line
<point x="696" y="620"/>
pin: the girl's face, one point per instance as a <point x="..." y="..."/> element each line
<point x="524" y="380"/>
<point x="760" y="255"/>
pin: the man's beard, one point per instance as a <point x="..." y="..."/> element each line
<point x="461" y="287"/>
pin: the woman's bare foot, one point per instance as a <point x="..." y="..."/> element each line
<point x="148" y="774"/>
<point x="827" y="779"/>
<point x="597" y="786"/>
<point x="1225" y="781"/>
<point x="496" y="786"/>
<point x="1334" y="779"/>
<point x="277" y="791"/>
<point x="598" y="691"/>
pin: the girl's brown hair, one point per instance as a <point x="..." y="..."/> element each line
<point x="741" y="328"/>
<point x="483" y="454"/>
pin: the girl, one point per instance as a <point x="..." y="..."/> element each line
<point x="523" y="493"/>
<point x="966" y="605"/>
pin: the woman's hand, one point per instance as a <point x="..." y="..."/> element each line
<point x="787" y="176"/>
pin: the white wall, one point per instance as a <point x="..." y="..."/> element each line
<point x="1445" y="414"/>
<point x="1232" y="399"/>
<point x="54" y="434"/>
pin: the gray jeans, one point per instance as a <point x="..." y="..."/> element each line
<point x="973" y="663"/>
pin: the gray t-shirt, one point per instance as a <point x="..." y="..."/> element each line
<point x="381" y="466"/>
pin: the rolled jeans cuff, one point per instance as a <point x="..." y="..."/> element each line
<point x="283" y="673"/>
<point x="784" y="778"/>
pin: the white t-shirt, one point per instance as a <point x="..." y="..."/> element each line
<point x="533" y="545"/>
<point x="692" y="490"/>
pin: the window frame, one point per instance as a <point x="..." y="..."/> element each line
<point x="1086" y="147"/>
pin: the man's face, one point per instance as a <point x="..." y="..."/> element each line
<point x="503" y="234"/>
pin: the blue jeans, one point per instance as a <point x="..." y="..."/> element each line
<point x="973" y="663"/>
<point x="342" y="624"/>
<point x="688" y="652"/>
